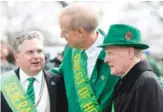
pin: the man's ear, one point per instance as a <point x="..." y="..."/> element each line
<point x="81" y="32"/>
<point x="16" y="57"/>
<point x="131" y="53"/>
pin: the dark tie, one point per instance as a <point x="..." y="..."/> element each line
<point x="84" y="60"/>
<point x="30" y="90"/>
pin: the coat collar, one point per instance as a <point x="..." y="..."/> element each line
<point x="102" y="55"/>
<point x="48" y="78"/>
<point x="128" y="80"/>
<point x="18" y="70"/>
<point x="17" y="73"/>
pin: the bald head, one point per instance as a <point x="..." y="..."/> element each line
<point x="80" y="15"/>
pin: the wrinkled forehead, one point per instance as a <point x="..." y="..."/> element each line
<point x="116" y="49"/>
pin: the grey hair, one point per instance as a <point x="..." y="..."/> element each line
<point x="27" y="36"/>
<point x="81" y="15"/>
<point x="137" y="52"/>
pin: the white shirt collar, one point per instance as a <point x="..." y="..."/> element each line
<point x="95" y="45"/>
<point x="24" y="77"/>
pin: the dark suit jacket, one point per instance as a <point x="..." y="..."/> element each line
<point x="57" y="94"/>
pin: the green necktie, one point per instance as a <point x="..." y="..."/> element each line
<point x="30" y="90"/>
<point x="84" y="59"/>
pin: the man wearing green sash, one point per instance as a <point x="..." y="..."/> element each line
<point x="29" y="88"/>
<point x="89" y="84"/>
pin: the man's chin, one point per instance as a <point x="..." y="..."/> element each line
<point x="72" y="46"/>
<point x="35" y="71"/>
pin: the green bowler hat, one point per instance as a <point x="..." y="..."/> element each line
<point x="124" y="35"/>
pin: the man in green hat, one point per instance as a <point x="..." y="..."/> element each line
<point x="139" y="89"/>
<point x="89" y="84"/>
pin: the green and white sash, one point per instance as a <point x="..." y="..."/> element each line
<point x="86" y="96"/>
<point x="15" y="94"/>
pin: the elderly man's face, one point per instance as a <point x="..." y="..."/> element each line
<point x="118" y="58"/>
<point x="30" y="56"/>
<point x="73" y="37"/>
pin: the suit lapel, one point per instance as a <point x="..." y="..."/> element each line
<point x="17" y="73"/>
<point x="96" y="68"/>
<point x="51" y="85"/>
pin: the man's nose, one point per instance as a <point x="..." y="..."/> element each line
<point x="106" y="59"/>
<point x="35" y="54"/>
<point x="62" y="35"/>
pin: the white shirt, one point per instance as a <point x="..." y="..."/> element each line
<point x="93" y="53"/>
<point x="39" y="85"/>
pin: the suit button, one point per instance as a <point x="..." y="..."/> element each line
<point x="53" y="83"/>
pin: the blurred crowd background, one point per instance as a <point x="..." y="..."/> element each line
<point x="17" y="17"/>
